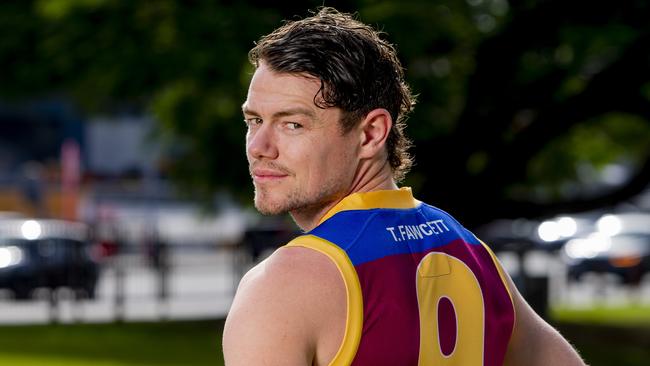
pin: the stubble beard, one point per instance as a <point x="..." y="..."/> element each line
<point x="295" y="201"/>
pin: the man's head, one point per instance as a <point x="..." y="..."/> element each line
<point x="325" y="112"/>
<point x="358" y="72"/>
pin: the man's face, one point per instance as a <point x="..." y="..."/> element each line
<point x="297" y="155"/>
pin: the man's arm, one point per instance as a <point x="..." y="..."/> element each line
<point x="534" y="342"/>
<point x="281" y="311"/>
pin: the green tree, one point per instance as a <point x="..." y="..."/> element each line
<point x="515" y="99"/>
<point x="553" y="86"/>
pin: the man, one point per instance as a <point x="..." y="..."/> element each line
<point x="379" y="278"/>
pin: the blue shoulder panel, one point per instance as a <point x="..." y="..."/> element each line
<point x="367" y="235"/>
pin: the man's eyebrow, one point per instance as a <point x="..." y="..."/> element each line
<point x="284" y="113"/>
<point x="246" y="110"/>
<point x="295" y="111"/>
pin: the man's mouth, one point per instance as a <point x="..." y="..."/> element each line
<point x="267" y="175"/>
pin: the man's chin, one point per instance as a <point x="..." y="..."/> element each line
<point x="269" y="209"/>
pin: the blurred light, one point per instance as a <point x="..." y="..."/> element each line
<point x="625" y="262"/>
<point x="567" y="226"/>
<point x="499" y="7"/>
<point x="564" y="54"/>
<point x="579" y="248"/>
<point x="614" y="174"/>
<point x="589" y="247"/>
<point x="549" y="231"/>
<point x="609" y="225"/>
<point x="31" y="230"/>
<point x="486" y="23"/>
<point x="10" y="256"/>
<point x="562" y="227"/>
<point x="599" y="242"/>
<point x="441" y="67"/>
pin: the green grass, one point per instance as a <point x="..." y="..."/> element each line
<point x="634" y="315"/>
<point x="127" y="344"/>
<point x="607" y="336"/>
<point x="604" y="336"/>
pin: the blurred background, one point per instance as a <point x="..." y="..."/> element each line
<point x="125" y="200"/>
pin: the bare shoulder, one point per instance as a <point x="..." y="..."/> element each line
<point x="294" y="264"/>
<point x="282" y="306"/>
<point x="303" y="272"/>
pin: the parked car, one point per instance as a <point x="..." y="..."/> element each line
<point x="523" y="235"/>
<point x="46" y="254"/>
<point x="620" y="246"/>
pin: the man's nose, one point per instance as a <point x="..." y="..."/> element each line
<point x="260" y="143"/>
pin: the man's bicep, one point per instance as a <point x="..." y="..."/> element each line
<point x="263" y="329"/>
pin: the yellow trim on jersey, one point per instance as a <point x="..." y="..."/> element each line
<point x="506" y="283"/>
<point x="354" y="320"/>
<point x="499" y="269"/>
<point x="402" y="198"/>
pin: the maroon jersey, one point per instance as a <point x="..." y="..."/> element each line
<point x="421" y="289"/>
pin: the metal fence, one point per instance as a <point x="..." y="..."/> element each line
<point x="52" y="276"/>
<point x="151" y="279"/>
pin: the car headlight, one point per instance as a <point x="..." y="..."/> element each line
<point x="609" y="225"/>
<point x="31" y="229"/>
<point x="10" y="256"/>
<point x="552" y="230"/>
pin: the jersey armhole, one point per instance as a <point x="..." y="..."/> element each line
<point x="354" y="317"/>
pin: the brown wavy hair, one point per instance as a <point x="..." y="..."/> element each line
<point x="359" y="71"/>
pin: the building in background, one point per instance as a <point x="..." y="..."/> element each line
<point x="102" y="170"/>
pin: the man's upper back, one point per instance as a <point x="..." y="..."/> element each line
<point x="420" y="288"/>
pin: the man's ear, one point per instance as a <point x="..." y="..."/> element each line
<point x="374" y="129"/>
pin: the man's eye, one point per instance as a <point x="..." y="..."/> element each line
<point x="293" y="125"/>
<point x="253" y="121"/>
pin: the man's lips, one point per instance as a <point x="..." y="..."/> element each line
<point x="267" y="174"/>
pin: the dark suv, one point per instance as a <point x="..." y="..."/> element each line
<point x="46" y="254"/>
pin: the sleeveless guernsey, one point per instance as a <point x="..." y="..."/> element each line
<point x="421" y="289"/>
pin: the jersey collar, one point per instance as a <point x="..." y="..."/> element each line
<point x="396" y="198"/>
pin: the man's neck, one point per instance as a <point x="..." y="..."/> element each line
<point x="308" y="218"/>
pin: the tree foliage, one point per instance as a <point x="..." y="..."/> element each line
<point x="516" y="100"/>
